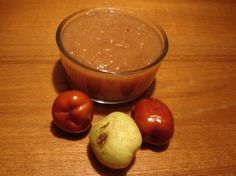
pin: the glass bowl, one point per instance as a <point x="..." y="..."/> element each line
<point x="111" y="54"/>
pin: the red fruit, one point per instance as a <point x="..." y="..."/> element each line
<point x="154" y="119"/>
<point x="72" y="111"/>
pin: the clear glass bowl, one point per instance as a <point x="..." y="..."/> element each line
<point x="108" y="86"/>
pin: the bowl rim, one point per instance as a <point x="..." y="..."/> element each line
<point x="112" y="9"/>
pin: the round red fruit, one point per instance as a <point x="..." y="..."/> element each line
<point x="72" y="111"/>
<point x="155" y="121"/>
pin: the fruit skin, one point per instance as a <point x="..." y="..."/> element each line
<point x="72" y="111"/>
<point x="154" y="119"/>
<point x="115" y="140"/>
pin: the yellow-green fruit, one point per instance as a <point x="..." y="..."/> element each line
<point x="115" y="140"/>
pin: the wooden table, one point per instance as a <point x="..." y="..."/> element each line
<point x="197" y="80"/>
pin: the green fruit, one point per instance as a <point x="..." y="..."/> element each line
<point x="115" y="140"/>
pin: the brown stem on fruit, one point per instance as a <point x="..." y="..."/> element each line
<point x="104" y="126"/>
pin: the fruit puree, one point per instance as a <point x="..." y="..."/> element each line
<point x="113" y="56"/>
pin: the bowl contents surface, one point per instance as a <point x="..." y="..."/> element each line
<point x="111" y="41"/>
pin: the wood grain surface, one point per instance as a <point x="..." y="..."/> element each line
<point x="197" y="80"/>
